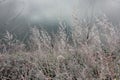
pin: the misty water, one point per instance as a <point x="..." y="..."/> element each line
<point x="17" y="16"/>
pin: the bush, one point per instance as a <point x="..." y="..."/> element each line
<point x="90" y="53"/>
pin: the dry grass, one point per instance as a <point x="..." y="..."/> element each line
<point x="92" y="53"/>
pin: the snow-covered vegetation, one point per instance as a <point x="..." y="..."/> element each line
<point x="89" y="52"/>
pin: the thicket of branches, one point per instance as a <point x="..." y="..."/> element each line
<point x="90" y="53"/>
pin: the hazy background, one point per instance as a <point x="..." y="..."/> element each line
<point x="17" y="15"/>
